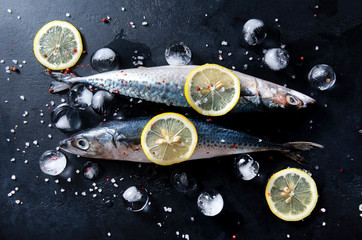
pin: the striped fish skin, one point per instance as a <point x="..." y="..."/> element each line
<point x="120" y="140"/>
<point x="165" y="84"/>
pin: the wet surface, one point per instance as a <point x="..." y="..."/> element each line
<point x="34" y="205"/>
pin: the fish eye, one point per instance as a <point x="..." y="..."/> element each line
<point x="292" y="100"/>
<point x="82" y="144"/>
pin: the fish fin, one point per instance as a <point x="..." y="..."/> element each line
<point x="293" y="149"/>
<point x="60" y="77"/>
<point x="59" y="86"/>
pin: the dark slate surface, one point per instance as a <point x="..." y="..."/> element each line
<point x="335" y="27"/>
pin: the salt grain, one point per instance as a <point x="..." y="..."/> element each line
<point x="22" y="97"/>
<point x="67" y="15"/>
<point x="9" y="10"/>
<point x="12" y="160"/>
<point x="13" y="177"/>
<point x="62" y="190"/>
<point x="144" y="23"/>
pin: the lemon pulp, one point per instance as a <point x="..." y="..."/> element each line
<point x="169" y="138"/>
<point x="212" y="90"/>
<point x="58" y="45"/>
<point x="291" y="194"/>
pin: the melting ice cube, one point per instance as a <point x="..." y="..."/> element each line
<point x="276" y="58"/>
<point x="178" y="54"/>
<point x="254" y="32"/>
<point x="322" y="77"/>
<point x="135" y="198"/>
<point x="105" y="59"/>
<point x="248" y="168"/>
<point x="52" y="162"/>
<point x="210" y="203"/>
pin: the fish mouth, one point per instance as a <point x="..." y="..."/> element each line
<point x="305" y="100"/>
<point x="65" y="144"/>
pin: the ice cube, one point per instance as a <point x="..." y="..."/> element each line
<point x="178" y="54"/>
<point x="276" y="58"/>
<point x="80" y="97"/>
<point x="52" y="162"/>
<point x="322" y="77"/>
<point x="105" y="59"/>
<point x="248" y="168"/>
<point x="210" y="203"/>
<point x="91" y="170"/>
<point x="254" y="32"/>
<point x="135" y="198"/>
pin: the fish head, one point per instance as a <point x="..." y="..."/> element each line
<point x="276" y="96"/>
<point x="288" y="98"/>
<point x="93" y="143"/>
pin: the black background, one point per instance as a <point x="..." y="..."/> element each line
<point x="334" y="121"/>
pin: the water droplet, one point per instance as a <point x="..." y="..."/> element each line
<point x="105" y="59"/>
<point x="276" y="58"/>
<point x="210" y="203"/>
<point x="322" y="77"/>
<point x="135" y="198"/>
<point x="91" y="170"/>
<point x="248" y="168"/>
<point x="80" y="97"/>
<point x="178" y="54"/>
<point x="254" y="32"/>
<point x="52" y="162"/>
<point x="184" y="182"/>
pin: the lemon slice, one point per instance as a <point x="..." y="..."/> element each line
<point x="212" y="90"/>
<point x="291" y="194"/>
<point x="169" y="138"/>
<point x="58" y="45"/>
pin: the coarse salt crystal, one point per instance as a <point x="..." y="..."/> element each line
<point x="13" y="177"/>
<point x="22" y="97"/>
<point x="67" y="15"/>
<point x="224" y="43"/>
<point x="144" y="23"/>
<point x="9" y="10"/>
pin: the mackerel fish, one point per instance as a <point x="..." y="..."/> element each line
<point x="120" y="140"/>
<point x="165" y="84"/>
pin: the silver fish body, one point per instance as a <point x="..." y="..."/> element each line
<point x="120" y="140"/>
<point x="165" y="84"/>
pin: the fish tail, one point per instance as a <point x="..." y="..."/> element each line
<point x="293" y="149"/>
<point x="62" y="80"/>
